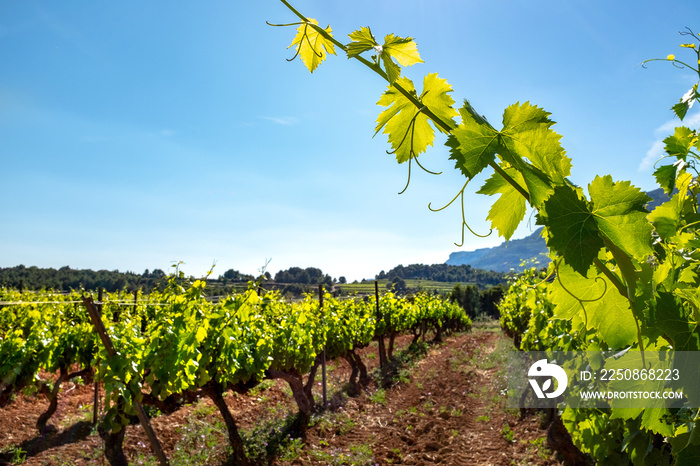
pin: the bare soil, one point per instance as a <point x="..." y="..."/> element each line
<point x="447" y="408"/>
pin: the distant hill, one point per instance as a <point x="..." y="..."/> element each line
<point x="509" y="255"/>
<point x="506" y="256"/>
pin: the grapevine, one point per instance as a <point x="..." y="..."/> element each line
<point x="626" y="277"/>
<point x="177" y="345"/>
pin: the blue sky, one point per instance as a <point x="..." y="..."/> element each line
<point x="137" y="134"/>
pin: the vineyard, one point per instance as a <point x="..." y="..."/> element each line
<point x="622" y="279"/>
<point x="409" y="384"/>
<point x="171" y="348"/>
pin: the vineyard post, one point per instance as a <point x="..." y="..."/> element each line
<point x="96" y="396"/>
<point x="136" y="297"/>
<point x="20" y="286"/>
<point x="107" y="342"/>
<point x="323" y="353"/>
<point x="382" y="355"/>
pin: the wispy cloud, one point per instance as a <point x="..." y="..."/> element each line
<point x="656" y="151"/>
<point x="285" y="120"/>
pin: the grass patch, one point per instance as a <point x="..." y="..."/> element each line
<point x="356" y="455"/>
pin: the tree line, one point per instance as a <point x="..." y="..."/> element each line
<point x="444" y="273"/>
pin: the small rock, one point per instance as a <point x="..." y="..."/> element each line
<point x="432" y="446"/>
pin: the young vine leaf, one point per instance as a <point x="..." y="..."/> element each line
<point x="473" y="144"/>
<point x="681" y="142"/>
<point x="509" y="210"/>
<point x="686" y="102"/>
<point x="404" y="51"/>
<point x="311" y="45"/>
<point x="407" y="126"/>
<point x="527" y="134"/>
<point x="362" y="41"/>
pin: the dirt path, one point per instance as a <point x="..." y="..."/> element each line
<point x="447" y="408"/>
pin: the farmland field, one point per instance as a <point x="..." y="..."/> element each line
<point x="444" y="406"/>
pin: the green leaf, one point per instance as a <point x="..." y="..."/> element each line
<point x="528" y="135"/>
<point x="688" y="456"/>
<point x="666" y="314"/>
<point x="620" y="213"/>
<point x="362" y="41"/>
<point x="666" y="217"/>
<point x="508" y="211"/>
<point x="681" y="142"/>
<point x="201" y="334"/>
<point x="393" y="71"/>
<point x="539" y="186"/>
<point x="311" y="45"/>
<point x="408" y="128"/>
<point x="686" y="102"/>
<point x="666" y="177"/>
<point x="404" y="51"/>
<point x="473" y="143"/>
<point x="593" y="300"/>
<point x="573" y="232"/>
<point x="436" y="96"/>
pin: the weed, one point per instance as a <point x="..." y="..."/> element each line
<point x="333" y="423"/>
<point x="378" y="397"/>
<point x="484" y="418"/>
<point x="15" y="455"/>
<point x="267" y="439"/>
<point x="293" y="450"/>
<point x="261" y="387"/>
<point x="508" y="433"/>
<point x="357" y="455"/>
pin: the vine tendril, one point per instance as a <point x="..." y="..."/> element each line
<point x="581" y="300"/>
<point x="461" y="191"/>
<point x="409" y="177"/>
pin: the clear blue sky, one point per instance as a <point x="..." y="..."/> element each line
<point x="136" y="134"/>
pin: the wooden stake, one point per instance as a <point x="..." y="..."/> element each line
<point x="382" y="354"/>
<point x="107" y="342"/>
<point x="323" y="354"/>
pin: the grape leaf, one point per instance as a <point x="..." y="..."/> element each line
<point x="408" y="130"/>
<point x="666" y="177"/>
<point x="527" y="134"/>
<point x="573" y="232"/>
<point x="404" y="51"/>
<point x="438" y="100"/>
<point x="508" y="211"/>
<point x="686" y="102"/>
<point x="362" y="41"/>
<point x="681" y="142"/>
<point x="473" y="143"/>
<point x="620" y="213"/>
<point x="591" y="298"/>
<point x="672" y="320"/>
<point x="311" y="45"/>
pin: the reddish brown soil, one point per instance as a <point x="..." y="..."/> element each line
<point x="447" y="410"/>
